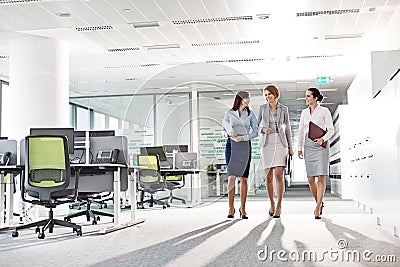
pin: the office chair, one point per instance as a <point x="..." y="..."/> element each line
<point x="87" y="199"/>
<point x="46" y="180"/>
<point x="173" y="182"/>
<point x="150" y="179"/>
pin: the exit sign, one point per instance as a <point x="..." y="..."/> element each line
<point x="323" y="80"/>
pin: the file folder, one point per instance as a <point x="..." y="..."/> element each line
<point x="314" y="132"/>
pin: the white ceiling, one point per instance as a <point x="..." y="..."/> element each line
<point x="233" y="44"/>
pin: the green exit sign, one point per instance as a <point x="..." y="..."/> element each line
<point x="323" y="80"/>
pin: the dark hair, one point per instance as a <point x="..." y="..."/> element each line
<point x="315" y="93"/>
<point x="273" y="89"/>
<point x="238" y="99"/>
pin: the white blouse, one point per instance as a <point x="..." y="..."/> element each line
<point x="321" y="117"/>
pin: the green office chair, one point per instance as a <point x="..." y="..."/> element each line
<point x="150" y="179"/>
<point x="173" y="182"/>
<point x="46" y="180"/>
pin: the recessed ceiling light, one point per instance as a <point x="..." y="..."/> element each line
<point x="343" y="36"/>
<point x="145" y="24"/>
<point x="328" y="90"/>
<point x="64" y="14"/>
<point x="372" y="9"/>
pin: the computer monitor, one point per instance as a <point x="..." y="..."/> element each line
<point x="68" y="132"/>
<point x="178" y="148"/>
<point x="154" y="150"/>
<point x="101" y="133"/>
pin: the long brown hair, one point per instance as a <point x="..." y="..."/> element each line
<point x="238" y="99"/>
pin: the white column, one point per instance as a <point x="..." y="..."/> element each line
<point x="39" y="86"/>
<point x="194" y="122"/>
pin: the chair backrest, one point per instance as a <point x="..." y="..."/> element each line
<point x="9" y="146"/>
<point x="152" y="173"/>
<point x="47" y="167"/>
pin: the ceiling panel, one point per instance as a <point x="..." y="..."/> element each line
<point x="110" y="12"/>
<point x="172" y="9"/>
<point x="216" y="8"/>
<point x="195" y="9"/>
<point x="352" y="4"/>
<point x="366" y="22"/>
<point x="150" y="10"/>
<point x="81" y="10"/>
<point x="345" y="24"/>
<point x="329" y="4"/>
<point x="209" y="32"/>
<point x="228" y="31"/>
<point x="374" y="3"/>
<point x="191" y="33"/>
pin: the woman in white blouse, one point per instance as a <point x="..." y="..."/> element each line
<point x="315" y="155"/>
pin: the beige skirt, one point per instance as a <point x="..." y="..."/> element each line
<point x="274" y="154"/>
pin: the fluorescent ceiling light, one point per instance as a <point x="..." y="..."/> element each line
<point x="343" y="36"/>
<point x="228" y="94"/>
<point x="328" y="103"/>
<point x="167" y="46"/>
<point x="145" y="24"/>
<point x="301" y="98"/>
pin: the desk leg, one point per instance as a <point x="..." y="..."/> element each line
<point x="2" y="198"/>
<point x="132" y="195"/>
<point x="117" y="188"/>
<point x="196" y="189"/>
<point x="9" y="199"/>
<point x="218" y="184"/>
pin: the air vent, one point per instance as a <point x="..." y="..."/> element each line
<point x="319" y="56"/>
<point x="131" y="79"/>
<point x="211" y="20"/>
<point x="94" y="28"/>
<point x="235" y="60"/>
<point x="125" y="49"/>
<point x="328" y="12"/>
<point x="145" y="24"/>
<point x="228" y="43"/>
<point x="132" y="66"/>
<point x="3" y="56"/>
<point x="11" y="2"/>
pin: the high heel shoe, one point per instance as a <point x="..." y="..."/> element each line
<point x="230" y="216"/>
<point x="241" y="215"/>
<point x="317" y="217"/>
<point x="277" y="216"/>
<point x="322" y="206"/>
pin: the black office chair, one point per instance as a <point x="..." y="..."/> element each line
<point x="173" y="182"/>
<point x="150" y="180"/>
<point x="46" y="180"/>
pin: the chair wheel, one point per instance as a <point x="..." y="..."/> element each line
<point x="41" y="235"/>
<point x="78" y="232"/>
<point x="94" y="222"/>
<point x="183" y="202"/>
<point x="79" y="208"/>
<point x="37" y="230"/>
<point x="164" y="207"/>
<point x="168" y="205"/>
<point x="67" y="219"/>
<point x="14" y="234"/>
<point x="100" y="206"/>
<point x="98" y="218"/>
<point x="105" y="206"/>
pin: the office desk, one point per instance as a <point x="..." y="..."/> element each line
<point x="7" y="193"/>
<point x="116" y="168"/>
<point x="195" y="189"/>
<point x="218" y="180"/>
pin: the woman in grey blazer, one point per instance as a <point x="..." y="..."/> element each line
<point x="276" y="144"/>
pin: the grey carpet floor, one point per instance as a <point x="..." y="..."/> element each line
<point x="202" y="236"/>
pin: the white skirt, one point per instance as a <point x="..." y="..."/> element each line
<point x="274" y="154"/>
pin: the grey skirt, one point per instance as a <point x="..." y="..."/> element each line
<point x="239" y="162"/>
<point x="316" y="158"/>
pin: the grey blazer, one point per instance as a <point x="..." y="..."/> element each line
<point x="285" y="133"/>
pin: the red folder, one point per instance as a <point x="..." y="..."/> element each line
<point x="314" y="132"/>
